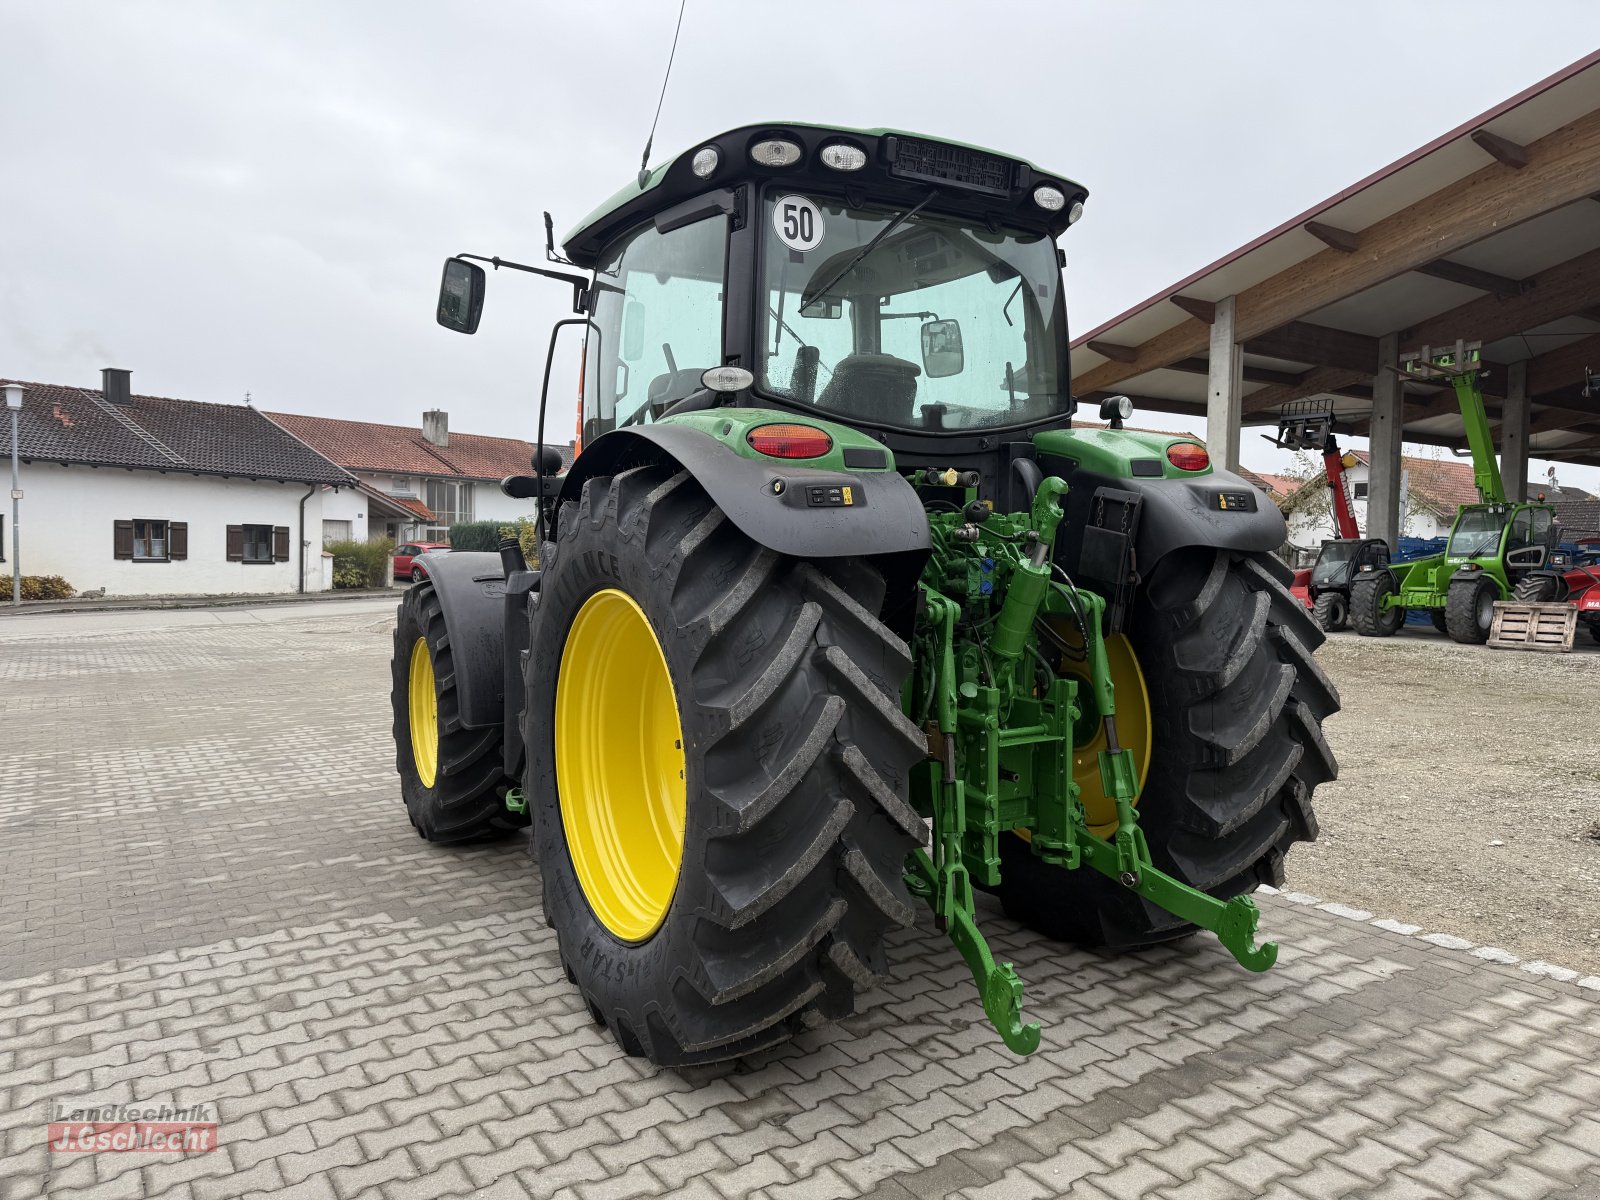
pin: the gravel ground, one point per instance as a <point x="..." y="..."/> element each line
<point x="1468" y="797"/>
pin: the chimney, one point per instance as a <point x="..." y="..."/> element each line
<point x="116" y="384"/>
<point x="436" y="427"/>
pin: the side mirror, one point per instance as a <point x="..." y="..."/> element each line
<point x="461" y="295"/>
<point x="827" y="308"/>
<point x="942" y="354"/>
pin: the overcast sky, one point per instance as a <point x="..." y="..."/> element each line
<point x="255" y="197"/>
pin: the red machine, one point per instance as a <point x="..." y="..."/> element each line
<point x="1573" y="580"/>
<point x="1324" y="588"/>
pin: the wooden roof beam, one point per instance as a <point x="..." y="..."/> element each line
<point x="1116" y="353"/>
<point x="1563" y="367"/>
<point x="1199" y="366"/>
<point x="1301" y="341"/>
<point x="1339" y="239"/>
<point x="1484" y="281"/>
<point x="1502" y="150"/>
<point x="1561" y="169"/>
<point x="1205" y="310"/>
<point x="1312" y="383"/>
<point x="1558" y="291"/>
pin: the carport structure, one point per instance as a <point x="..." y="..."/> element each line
<point x="1488" y="234"/>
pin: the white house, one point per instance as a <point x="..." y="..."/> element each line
<point x="415" y="482"/>
<point x="146" y="495"/>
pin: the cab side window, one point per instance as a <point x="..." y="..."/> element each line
<point x="657" y="322"/>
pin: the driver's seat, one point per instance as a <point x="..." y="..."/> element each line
<point x="873" y="387"/>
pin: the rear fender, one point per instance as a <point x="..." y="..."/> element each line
<point x="769" y="499"/>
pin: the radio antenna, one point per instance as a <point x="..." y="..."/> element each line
<point x="644" y="160"/>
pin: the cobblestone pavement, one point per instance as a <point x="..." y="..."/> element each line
<point x="210" y="892"/>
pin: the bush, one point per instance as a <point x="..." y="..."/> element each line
<point x="486" y="535"/>
<point x="527" y="534"/>
<point x="360" y="564"/>
<point x="39" y="587"/>
<point x="475" y="535"/>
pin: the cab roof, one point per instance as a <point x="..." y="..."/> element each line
<point x="971" y="180"/>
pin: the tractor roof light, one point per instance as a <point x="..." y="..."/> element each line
<point x="790" y="441"/>
<point x="1074" y="212"/>
<point x="1049" y="197"/>
<point x="1188" y="456"/>
<point x="727" y="379"/>
<point x="705" y="161"/>
<point x="1116" y="408"/>
<point x="775" y="152"/>
<point x="842" y="156"/>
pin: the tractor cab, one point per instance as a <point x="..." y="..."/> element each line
<point x="1517" y="538"/>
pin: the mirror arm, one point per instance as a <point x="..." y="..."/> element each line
<point x="580" y="285"/>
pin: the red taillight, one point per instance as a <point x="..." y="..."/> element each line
<point x="1188" y="456"/>
<point x="790" y="441"/>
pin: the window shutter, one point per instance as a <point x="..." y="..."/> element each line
<point x="122" y="539"/>
<point x="235" y="543"/>
<point x="280" y="543"/>
<point x="177" y="540"/>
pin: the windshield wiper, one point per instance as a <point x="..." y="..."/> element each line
<point x="868" y="249"/>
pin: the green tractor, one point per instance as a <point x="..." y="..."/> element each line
<point x="1493" y="544"/>
<point x="835" y="612"/>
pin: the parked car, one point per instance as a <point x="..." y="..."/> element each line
<point x="405" y="555"/>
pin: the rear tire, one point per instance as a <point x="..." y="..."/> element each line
<point x="1236" y="705"/>
<point x="795" y="754"/>
<point x="1537" y="589"/>
<point x="465" y="802"/>
<point x="1331" y="611"/>
<point x="1469" y="609"/>
<point x="1436" y="615"/>
<point x="1368" y="616"/>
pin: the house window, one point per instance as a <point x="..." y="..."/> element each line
<point x="400" y="485"/>
<point x="257" y="543"/>
<point x="1361" y="491"/>
<point x="335" y="531"/>
<point x="149" y="541"/>
<point x="145" y="540"/>
<point x="450" y="501"/>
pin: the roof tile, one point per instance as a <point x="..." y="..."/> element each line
<point x="399" y="450"/>
<point x="77" y="425"/>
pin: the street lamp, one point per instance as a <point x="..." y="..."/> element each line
<point x="13" y="392"/>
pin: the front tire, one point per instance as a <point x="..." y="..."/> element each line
<point x="1331" y="611"/>
<point x="451" y="778"/>
<point x="1236" y="707"/>
<point x="1368" y="616"/>
<point x="795" y="758"/>
<point x="1469" y="609"/>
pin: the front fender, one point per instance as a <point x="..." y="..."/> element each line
<point x="472" y="588"/>
<point x="770" y="500"/>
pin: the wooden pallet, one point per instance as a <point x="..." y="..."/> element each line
<point x="1519" y="626"/>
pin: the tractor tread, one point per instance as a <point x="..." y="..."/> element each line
<point x="467" y="800"/>
<point x="798" y="761"/>
<point x="1238" y="752"/>
<point x="1461" y="609"/>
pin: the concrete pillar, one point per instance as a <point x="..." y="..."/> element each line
<point x="1514" y="434"/>
<point x="1384" y="479"/>
<point x="1225" y="390"/>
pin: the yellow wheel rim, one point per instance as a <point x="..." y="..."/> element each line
<point x="424" y="705"/>
<point x="1133" y="731"/>
<point x="620" y="765"/>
